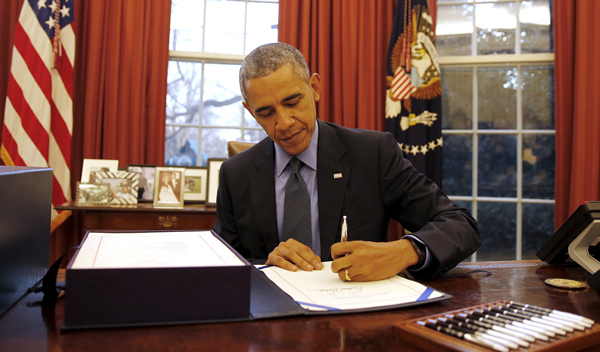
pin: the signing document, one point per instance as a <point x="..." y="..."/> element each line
<point x="322" y="290"/>
<point x="103" y="250"/>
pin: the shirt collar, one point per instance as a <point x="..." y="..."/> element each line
<point x="308" y="157"/>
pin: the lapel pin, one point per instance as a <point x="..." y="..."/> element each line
<point x="337" y="175"/>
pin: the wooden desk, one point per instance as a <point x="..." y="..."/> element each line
<point x="143" y="216"/>
<point x="26" y="327"/>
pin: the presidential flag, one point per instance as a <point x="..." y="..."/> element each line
<point x="414" y="96"/>
<point x="38" y="118"/>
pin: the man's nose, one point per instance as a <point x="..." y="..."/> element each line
<point x="284" y="120"/>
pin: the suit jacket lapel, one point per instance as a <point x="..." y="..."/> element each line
<point x="263" y="196"/>
<point x="332" y="180"/>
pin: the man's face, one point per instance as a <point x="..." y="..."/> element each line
<point x="284" y="105"/>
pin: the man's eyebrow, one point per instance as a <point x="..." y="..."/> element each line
<point x="292" y="97"/>
<point x="285" y="100"/>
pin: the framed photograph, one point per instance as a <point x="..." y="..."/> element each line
<point x="196" y="180"/>
<point x="123" y="186"/>
<point x="214" y="166"/>
<point x="92" y="193"/>
<point x="169" y="186"/>
<point x="91" y="166"/>
<point x="146" y="184"/>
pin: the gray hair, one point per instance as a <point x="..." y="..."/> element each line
<point x="269" y="58"/>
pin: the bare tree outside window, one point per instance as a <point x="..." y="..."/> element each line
<point x="208" y="41"/>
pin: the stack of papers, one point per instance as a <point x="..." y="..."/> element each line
<point x="322" y="290"/>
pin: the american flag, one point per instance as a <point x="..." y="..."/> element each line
<point x="38" y="118"/>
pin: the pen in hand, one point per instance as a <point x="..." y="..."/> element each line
<point x="345" y="239"/>
<point x="344" y="230"/>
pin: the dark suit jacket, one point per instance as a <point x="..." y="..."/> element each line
<point x="377" y="184"/>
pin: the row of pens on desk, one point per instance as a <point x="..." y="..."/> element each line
<point x="508" y="326"/>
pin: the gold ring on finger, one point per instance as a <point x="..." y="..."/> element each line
<point x="348" y="276"/>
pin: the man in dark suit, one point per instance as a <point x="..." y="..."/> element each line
<point x="360" y="174"/>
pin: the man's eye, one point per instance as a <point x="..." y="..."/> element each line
<point x="266" y="113"/>
<point x="293" y="102"/>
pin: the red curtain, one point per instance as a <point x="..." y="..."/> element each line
<point x="577" y="89"/>
<point x="122" y="59"/>
<point x="346" y="42"/>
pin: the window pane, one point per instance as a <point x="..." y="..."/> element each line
<point x="183" y="92"/>
<point x="222" y="97"/>
<point x="181" y="147"/>
<point x="538" y="166"/>
<point x="497" y="166"/>
<point x="261" y="27"/>
<point x="535" y="21"/>
<point x="454" y="30"/>
<point x="538" y="227"/>
<point x="254" y="135"/>
<point x="458" y="165"/>
<point x="225" y="27"/>
<point x="497" y="97"/>
<point x="214" y="140"/>
<point x="186" y="25"/>
<point x="496" y="24"/>
<point x="457" y="98"/>
<point x="497" y="224"/>
<point x="537" y="83"/>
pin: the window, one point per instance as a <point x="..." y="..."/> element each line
<point x="498" y="120"/>
<point x="208" y="41"/>
<point x="498" y="104"/>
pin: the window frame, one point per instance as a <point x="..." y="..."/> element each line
<point x="474" y="62"/>
<point x="203" y="58"/>
<point x="209" y="58"/>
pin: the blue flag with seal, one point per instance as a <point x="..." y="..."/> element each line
<point x="414" y="97"/>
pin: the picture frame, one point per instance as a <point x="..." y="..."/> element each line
<point x="214" y="167"/>
<point x="146" y="183"/>
<point x="92" y="193"/>
<point x="123" y="186"/>
<point x="91" y="166"/>
<point x="196" y="180"/>
<point x="169" y="187"/>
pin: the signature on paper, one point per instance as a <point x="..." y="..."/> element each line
<point x="347" y="292"/>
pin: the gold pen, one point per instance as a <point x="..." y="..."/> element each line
<point x="344" y="230"/>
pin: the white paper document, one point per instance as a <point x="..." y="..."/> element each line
<point x="102" y="250"/>
<point x="323" y="290"/>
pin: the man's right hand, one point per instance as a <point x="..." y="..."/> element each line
<point x="291" y="255"/>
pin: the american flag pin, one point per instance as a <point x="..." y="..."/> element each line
<point x="337" y="175"/>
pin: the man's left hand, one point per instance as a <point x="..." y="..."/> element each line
<point x="371" y="261"/>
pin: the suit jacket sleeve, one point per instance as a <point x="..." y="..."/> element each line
<point x="449" y="232"/>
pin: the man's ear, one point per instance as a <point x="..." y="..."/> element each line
<point x="315" y="86"/>
<point x="247" y="108"/>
